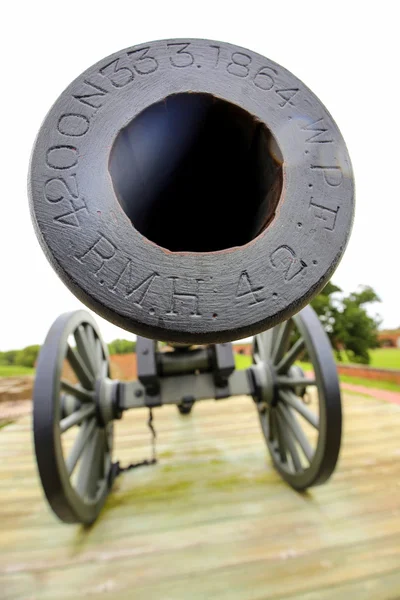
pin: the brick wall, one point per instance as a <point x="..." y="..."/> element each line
<point x="370" y="373"/>
<point x="123" y="366"/>
<point x="242" y="349"/>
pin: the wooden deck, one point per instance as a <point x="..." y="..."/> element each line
<point x="212" y="520"/>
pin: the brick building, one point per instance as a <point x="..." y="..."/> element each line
<point x="242" y="349"/>
<point x="389" y="338"/>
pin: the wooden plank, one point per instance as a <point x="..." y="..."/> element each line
<point x="212" y="519"/>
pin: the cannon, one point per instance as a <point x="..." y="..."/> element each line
<point x="194" y="192"/>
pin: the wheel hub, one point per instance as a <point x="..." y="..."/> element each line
<point x="265" y="383"/>
<point x="106" y="401"/>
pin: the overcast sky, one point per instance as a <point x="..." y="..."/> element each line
<point x="346" y="52"/>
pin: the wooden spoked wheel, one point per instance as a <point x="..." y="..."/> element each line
<point x="300" y="413"/>
<point x="73" y="444"/>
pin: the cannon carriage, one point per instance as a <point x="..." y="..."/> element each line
<point x="300" y="414"/>
<point x="195" y="192"/>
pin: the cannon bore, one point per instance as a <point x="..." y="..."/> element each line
<point x="195" y="173"/>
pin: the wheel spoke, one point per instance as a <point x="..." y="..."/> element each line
<point x="107" y="453"/>
<point x="257" y="358"/>
<point x="77" y="417"/>
<point x="291" y="446"/>
<point x="76" y="391"/>
<point x="264" y="345"/>
<point x="282" y="341"/>
<point x="92" y="344"/>
<point x="68" y="404"/>
<point x="80" y="369"/>
<point x="274" y="331"/>
<point x="103" y="447"/>
<point x="103" y="362"/>
<point x="291" y="356"/>
<point x="107" y="462"/>
<point x="271" y="425"/>
<point x="300" y="407"/>
<point x="280" y="438"/>
<point x="291" y="382"/>
<point x="257" y="353"/>
<point x="84" y="348"/>
<point x="99" y="357"/>
<point x="297" y="432"/>
<point x="88" y="475"/>
<point x="81" y="440"/>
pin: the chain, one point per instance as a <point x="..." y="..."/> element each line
<point x="146" y="462"/>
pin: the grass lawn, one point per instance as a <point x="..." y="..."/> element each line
<point x="242" y="362"/>
<point x="385" y="358"/>
<point x="371" y="383"/>
<point x="388" y="358"/>
<point x="15" y="370"/>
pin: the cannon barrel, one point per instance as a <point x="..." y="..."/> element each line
<point x="191" y="191"/>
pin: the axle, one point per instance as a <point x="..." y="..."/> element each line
<point x="175" y="375"/>
<point x="183" y="376"/>
<point x="184" y="389"/>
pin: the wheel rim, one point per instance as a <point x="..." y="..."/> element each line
<point x="304" y="441"/>
<point x="73" y="448"/>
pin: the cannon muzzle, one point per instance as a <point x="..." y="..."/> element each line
<point x="191" y="191"/>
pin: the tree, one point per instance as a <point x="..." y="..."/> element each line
<point x="345" y="319"/>
<point x="27" y="356"/>
<point x="121" y="347"/>
<point x="8" y="357"/>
